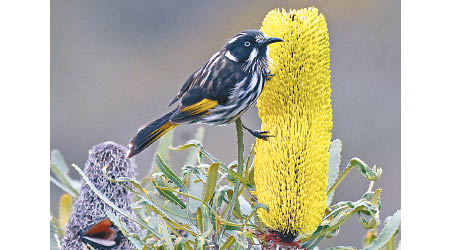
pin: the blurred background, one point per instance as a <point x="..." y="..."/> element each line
<point x="116" y="64"/>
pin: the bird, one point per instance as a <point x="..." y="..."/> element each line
<point x="219" y="92"/>
<point x="101" y="235"/>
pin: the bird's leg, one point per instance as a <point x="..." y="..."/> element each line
<point x="258" y="134"/>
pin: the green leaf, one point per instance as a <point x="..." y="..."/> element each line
<point x="158" y="183"/>
<point x="61" y="171"/>
<point x="165" y="232"/>
<point x="240" y="239"/>
<point x="370" y="237"/>
<point x="62" y="186"/>
<point x="188" y="169"/>
<point x="65" y="209"/>
<point x="199" y="216"/>
<point x="169" y="173"/>
<point x="333" y="166"/>
<point x="202" y="243"/>
<point x="228" y="243"/>
<point x="187" y="145"/>
<point x="254" y="210"/>
<point x="340" y="213"/>
<point x="170" y="210"/>
<point x="374" y="198"/>
<point x="57" y="159"/>
<point x="124" y="179"/>
<point x="390" y="228"/>
<point x="311" y="244"/>
<point x="221" y="195"/>
<point x="211" y="181"/>
<point x="132" y="237"/>
<point x="251" y="176"/>
<point x="371" y="174"/>
<point x="191" y="158"/>
<point x="341" y="248"/>
<point x="180" y="243"/>
<point x="54" y="245"/>
<point x="245" y="207"/>
<point x="196" y="190"/>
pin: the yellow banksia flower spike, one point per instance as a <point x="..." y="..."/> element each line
<point x="291" y="168"/>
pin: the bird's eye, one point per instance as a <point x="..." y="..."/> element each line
<point x="247" y="43"/>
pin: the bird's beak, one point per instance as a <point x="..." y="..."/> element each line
<point x="270" y="40"/>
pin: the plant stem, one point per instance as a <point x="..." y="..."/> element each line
<point x="240" y="141"/>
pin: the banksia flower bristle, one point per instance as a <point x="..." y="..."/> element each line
<point x="291" y="168"/>
<point x="89" y="209"/>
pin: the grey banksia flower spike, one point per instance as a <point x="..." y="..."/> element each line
<point x="89" y="209"/>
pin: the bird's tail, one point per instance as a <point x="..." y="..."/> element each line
<point x="149" y="133"/>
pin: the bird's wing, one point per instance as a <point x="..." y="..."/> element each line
<point x="185" y="86"/>
<point x="213" y="87"/>
<point x="195" y="79"/>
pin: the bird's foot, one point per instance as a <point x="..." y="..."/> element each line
<point x="264" y="135"/>
<point x="269" y="76"/>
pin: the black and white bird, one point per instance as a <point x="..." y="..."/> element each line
<point x="219" y="92"/>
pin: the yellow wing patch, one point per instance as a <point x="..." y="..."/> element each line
<point x="200" y="107"/>
<point x="161" y="131"/>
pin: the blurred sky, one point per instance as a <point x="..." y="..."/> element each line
<point x="116" y="64"/>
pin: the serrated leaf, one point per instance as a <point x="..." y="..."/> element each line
<point x="374" y="198"/>
<point x="169" y="173"/>
<point x="211" y="181"/>
<point x="340" y="213"/>
<point x="187" y="169"/>
<point x="333" y="166"/>
<point x="65" y="209"/>
<point x="171" y="210"/>
<point x="371" y="174"/>
<point x="124" y="179"/>
<point x="387" y="232"/>
<point x="157" y="182"/>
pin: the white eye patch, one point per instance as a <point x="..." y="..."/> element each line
<point x="247" y="43"/>
<point x="231" y="57"/>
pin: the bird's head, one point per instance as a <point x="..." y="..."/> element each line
<point x="249" y="45"/>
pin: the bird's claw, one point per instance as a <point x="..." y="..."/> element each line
<point x="269" y="76"/>
<point x="261" y="134"/>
